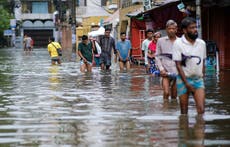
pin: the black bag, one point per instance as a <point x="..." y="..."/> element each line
<point x="59" y="51"/>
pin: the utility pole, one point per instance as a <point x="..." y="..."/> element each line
<point x="73" y="23"/>
<point x="198" y="18"/>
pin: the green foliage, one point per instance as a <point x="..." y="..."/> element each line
<point x="7" y="5"/>
<point x="4" y="21"/>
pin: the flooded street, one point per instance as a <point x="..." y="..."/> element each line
<point x="44" y="105"/>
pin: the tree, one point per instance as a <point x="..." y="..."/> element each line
<point x="4" y="21"/>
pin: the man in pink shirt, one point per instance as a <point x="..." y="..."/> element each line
<point x="164" y="60"/>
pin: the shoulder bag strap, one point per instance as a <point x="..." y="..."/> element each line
<point x="53" y="45"/>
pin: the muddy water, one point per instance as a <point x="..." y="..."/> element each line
<point x="44" y="105"/>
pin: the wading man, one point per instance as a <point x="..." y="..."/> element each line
<point x="85" y="51"/>
<point x="27" y="43"/>
<point x="145" y="47"/>
<point x="189" y="53"/>
<point x="164" y="60"/>
<point x="52" y="49"/>
<point x="107" y="44"/>
<point x="123" y="48"/>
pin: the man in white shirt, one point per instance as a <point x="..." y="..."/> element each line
<point x="27" y="41"/>
<point x="145" y="46"/>
<point x="189" y="53"/>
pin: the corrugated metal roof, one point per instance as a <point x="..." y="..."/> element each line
<point x="162" y="4"/>
<point x="166" y="3"/>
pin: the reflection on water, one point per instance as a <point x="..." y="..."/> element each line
<point x="53" y="77"/>
<point x="44" y="105"/>
<point x="191" y="134"/>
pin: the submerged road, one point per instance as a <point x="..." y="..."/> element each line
<point x="44" y="105"/>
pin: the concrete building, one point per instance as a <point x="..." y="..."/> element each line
<point x="128" y="6"/>
<point x="211" y="18"/>
<point x="90" y="15"/>
<point x="36" y="18"/>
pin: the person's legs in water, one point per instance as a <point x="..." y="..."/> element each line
<point x="127" y="64"/>
<point x="121" y="64"/>
<point x="184" y="103"/>
<point x="54" y="60"/>
<point x="102" y="66"/>
<point x="199" y="97"/>
<point x="24" y="48"/>
<point x="183" y="94"/>
<point x="108" y="62"/>
<point x="173" y="89"/>
<point x="89" y="67"/>
<point x="59" y="61"/>
<point x="165" y="85"/>
<point x="102" y="61"/>
<point x="83" y="66"/>
<point x="147" y="66"/>
<point x="198" y="94"/>
<point x="30" y="49"/>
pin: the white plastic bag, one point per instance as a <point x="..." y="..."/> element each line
<point x="98" y="47"/>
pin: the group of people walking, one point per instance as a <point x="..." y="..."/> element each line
<point x="121" y="50"/>
<point x="180" y="61"/>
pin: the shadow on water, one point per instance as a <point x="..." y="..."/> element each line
<point x="44" y="105"/>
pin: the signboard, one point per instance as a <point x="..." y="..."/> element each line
<point x="181" y="6"/>
<point x="13" y="23"/>
<point x="8" y="32"/>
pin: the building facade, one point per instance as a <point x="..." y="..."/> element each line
<point x="215" y="28"/>
<point x="90" y="15"/>
<point x="36" y="20"/>
<point x="128" y="6"/>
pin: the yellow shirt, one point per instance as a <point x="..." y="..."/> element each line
<point x="52" y="49"/>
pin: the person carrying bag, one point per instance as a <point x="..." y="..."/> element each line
<point x="55" y="51"/>
<point x="59" y="51"/>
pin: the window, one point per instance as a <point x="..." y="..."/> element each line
<point x="126" y="3"/>
<point x="39" y="7"/>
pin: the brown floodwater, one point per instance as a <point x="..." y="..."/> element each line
<point x="43" y="105"/>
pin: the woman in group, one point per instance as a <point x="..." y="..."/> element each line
<point x="151" y="53"/>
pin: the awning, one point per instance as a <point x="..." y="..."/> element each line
<point x="113" y="19"/>
<point x="162" y="5"/>
<point x="135" y="13"/>
<point x="139" y="14"/>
